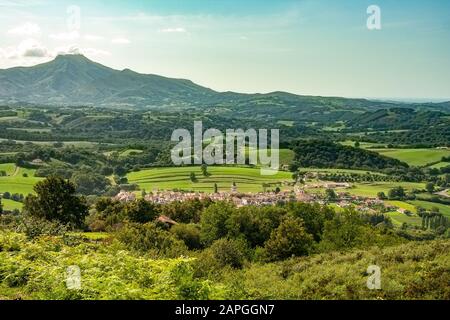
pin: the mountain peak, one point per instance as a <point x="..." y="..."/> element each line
<point x="71" y="57"/>
<point x="73" y="79"/>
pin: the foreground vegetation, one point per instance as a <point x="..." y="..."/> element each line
<point x="38" y="270"/>
<point x="214" y="250"/>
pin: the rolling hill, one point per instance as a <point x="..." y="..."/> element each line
<point x="74" y="80"/>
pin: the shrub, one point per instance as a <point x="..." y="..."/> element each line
<point x="214" y="222"/>
<point x="55" y="200"/>
<point x="228" y="252"/>
<point x="148" y="238"/>
<point x="288" y="240"/>
<point x="189" y="234"/>
<point x="34" y="227"/>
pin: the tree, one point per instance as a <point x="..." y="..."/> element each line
<point x="193" y="177"/>
<point x="205" y="170"/>
<point x="331" y="195"/>
<point x="141" y="211"/>
<point x="397" y="193"/>
<point x="430" y="187"/>
<point x="55" y="200"/>
<point x="1" y="206"/>
<point x="357" y="144"/>
<point x="229" y="252"/>
<point x="189" y="233"/>
<point x="120" y="171"/>
<point x="90" y="183"/>
<point x="214" y="222"/>
<point x="381" y="196"/>
<point x="288" y="240"/>
<point x="216" y="188"/>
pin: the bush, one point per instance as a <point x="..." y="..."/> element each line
<point x="214" y="222"/>
<point x="189" y="234"/>
<point x="228" y="252"/>
<point x="290" y="239"/>
<point x="148" y="238"/>
<point x="55" y="200"/>
<point x="34" y="227"/>
<point x="141" y="211"/>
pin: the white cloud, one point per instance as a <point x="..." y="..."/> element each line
<point x="120" y="41"/>
<point x="74" y="49"/>
<point x="21" y="3"/>
<point x="29" y="48"/>
<point x="66" y="36"/>
<point x="173" y="30"/>
<point x="28" y="29"/>
<point x="91" y="37"/>
<point x="92" y="52"/>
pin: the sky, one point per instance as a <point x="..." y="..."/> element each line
<point x="310" y="47"/>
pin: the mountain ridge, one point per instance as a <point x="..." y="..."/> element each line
<point x="73" y="79"/>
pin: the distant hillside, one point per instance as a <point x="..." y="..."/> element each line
<point x="76" y="80"/>
<point x="322" y="154"/>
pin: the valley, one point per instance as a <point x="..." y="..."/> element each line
<point x="92" y="171"/>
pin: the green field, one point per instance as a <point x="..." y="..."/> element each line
<point x="399" y="218"/>
<point x="415" y="157"/>
<point x="340" y="171"/>
<point x="372" y="189"/>
<point x="9" y="168"/>
<point x="16" y="182"/>
<point x="10" y="205"/>
<point x="128" y="152"/>
<point x="286" y="155"/>
<point x="247" y="179"/>
<point x="403" y="205"/>
<point x="440" y="165"/>
<point x="444" y="209"/>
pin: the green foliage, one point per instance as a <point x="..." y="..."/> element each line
<point x="347" y="230"/>
<point x="397" y="193"/>
<point x="55" y="200"/>
<point x="189" y="234"/>
<point x="34" y="227"/>
<point x="90" y="183"/>
<point x="214" y="222"/>
<point x="290" y="239"/>
<point x="228" y="252"/>
<point x="253" y="224"/>
<point x="150" y="239"/>
<point x="313" y="215"/>
<point x="185" y="212"/>
<point x="323" y="154"/>
<point x="141" y="211"/>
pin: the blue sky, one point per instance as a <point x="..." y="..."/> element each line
<point x="314" y="47"/>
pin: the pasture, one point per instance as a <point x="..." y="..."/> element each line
<point x="247" y="179"/>
<point x="15" y="182"/>
<point x="415" y="157"/>
<point x="10" y="205"/>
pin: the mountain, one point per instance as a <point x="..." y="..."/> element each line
<point x="76" y="80"/>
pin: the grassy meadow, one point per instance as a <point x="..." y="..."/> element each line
<point x="247" y="179"/>
<point x="15" y="181"/>
<point x="415" y="157"/>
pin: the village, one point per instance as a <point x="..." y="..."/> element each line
<point x="298" y="194"/>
